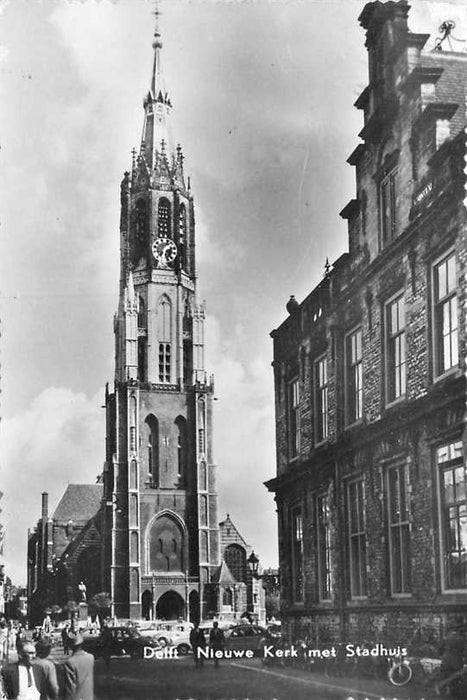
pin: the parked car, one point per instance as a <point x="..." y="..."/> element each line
<point x="125" y="640"/>
<point x="247" y="637"/>
<point x="177" y="636"/>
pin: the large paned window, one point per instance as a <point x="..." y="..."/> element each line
<point x="163" y="218"/>
<point x="453" y="514"/>
<point x="387" y="203"/>
<point x="354" y="376"/>
<point x="395" y="344"/>
<point x="324" y="547"/>
<point x="321" y="399"/>
<point x="445" y="315"/>
<point x="399" y="528"/>
<point x="357" y="538"/>
<point x="294" y="418"/>
<point x="164" y="332"/>
<point x="297" y="554"/>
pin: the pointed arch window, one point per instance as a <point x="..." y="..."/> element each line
<point x="180" y="424"/>
<point x="141" y="219"/>
<point x="166" y="545"/>
<point x="163" y="218"/>
<point x="134" y="510"/>
<point x="134" y="547"/>
<point x="151" y="427"/>
<point x="132" y="409"/>
<point x="142" y="359"/>
<point x="164" y="333"/>
<point x="142" y="316"/>
<point x="133" y="474"/>
<point x="203" y="511"/>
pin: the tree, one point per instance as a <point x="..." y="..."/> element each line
<point x="100" y="605"/>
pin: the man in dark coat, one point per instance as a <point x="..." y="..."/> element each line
<point x="216" y="641"/>
<point x="197" y="641"/>
<point x="79" y="672"/>
<point x="22" y="680"/>
<point x="49" y="686"/>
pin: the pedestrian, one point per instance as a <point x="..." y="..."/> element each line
<point x="79" y="672"/>
<point x="197" y="642"/>
<point x="216" y="641"/>
<point x="66" y="639"/>
<point x="106" y="643"/>
<point x="22" y="680"/>
<point x="19" y="638"/>
<point x="49" y="686"/>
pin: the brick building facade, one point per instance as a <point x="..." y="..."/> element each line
<point x="369" y="370"/>
<point x="64" y="549"/>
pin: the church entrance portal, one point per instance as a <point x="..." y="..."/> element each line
<point x="170" y="606"/>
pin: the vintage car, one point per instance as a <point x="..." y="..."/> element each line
<point x="247" y="637"/>
<point x="124" y="640"/>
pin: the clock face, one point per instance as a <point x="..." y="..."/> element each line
<point x="164" y="250"/>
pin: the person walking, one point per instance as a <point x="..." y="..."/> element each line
<point x="66" y="639"/>
<point x="22" y="680"/>
<point x="79" y="672"/>
<point x="48" y="687"/>
<point x="106" y="640"/>
<point x="216" y="641"/>
<point x="197" y="641"/>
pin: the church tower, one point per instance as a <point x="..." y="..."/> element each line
<point x="161" y="536"/>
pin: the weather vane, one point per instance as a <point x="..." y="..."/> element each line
<point x="446" y="30"/>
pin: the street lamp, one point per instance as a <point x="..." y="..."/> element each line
<point x="253" y="563"/>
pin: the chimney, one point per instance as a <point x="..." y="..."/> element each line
<point x="45" y="505"/>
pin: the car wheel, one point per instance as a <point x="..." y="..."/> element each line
<point x="183" y="649"/>
<point x="162" y="641"/>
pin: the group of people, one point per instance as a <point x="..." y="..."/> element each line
<point x="34" y="676"/>
<point x="198" y="641"/>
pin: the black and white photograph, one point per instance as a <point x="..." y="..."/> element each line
<point x="233" y="314"/>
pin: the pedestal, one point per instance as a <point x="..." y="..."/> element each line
<point x="83" y="612"/>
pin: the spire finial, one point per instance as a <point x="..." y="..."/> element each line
<point x="157" y="43"/>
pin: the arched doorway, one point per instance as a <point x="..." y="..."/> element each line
<point x="170" y="606"/>
<point x="146" y="605"/>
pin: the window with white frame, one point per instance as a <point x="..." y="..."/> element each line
<point x="321" y="399"/>
<point x="387" y="203"/>
<point x="395" y="349"/>
<point x="354" y="376"/>
<point x="445" y="314"/>
<point x="453" y="514"/>
<point x="294" y="418"/>
<point x="357" y="538"/>
<point x="297" y="554"/>
<point x="399" y="528"/>
<point x="323" y="514"/>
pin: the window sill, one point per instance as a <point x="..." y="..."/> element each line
<point x="396" y="402"/>
<point x="448" y="373"/>
<point x="355" y="424"/>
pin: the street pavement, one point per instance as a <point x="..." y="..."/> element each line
<point x="178" y="679"/>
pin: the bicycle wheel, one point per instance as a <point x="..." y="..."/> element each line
<point x="400" y="674"/>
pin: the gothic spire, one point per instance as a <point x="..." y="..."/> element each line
<point x="157" y="107"/>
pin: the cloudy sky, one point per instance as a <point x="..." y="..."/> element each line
<point x="262" y="94"/>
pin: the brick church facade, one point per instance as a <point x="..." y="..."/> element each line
<point x="369" y="370"/>
<point x="160" y="524"/>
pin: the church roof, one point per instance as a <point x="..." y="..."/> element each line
<point x="80" y="502"/>
<point x="223" y="574"/>
<point x="230" y="534"/>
